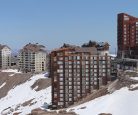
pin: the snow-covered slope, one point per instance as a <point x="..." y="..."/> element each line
<point x="23" y="98"/>
<point x="121" y="102"/>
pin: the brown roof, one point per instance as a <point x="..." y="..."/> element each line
<point x="2" y="46"/>
<point x="33" y="48"/>
<point x="78" y="49"/>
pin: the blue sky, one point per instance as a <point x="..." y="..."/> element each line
<point x="53" y="22"/>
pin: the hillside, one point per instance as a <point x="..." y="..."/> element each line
<point x="30" y="93"/>
<point x="20" y="93"/>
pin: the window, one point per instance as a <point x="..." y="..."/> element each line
<point x="103" y="74"/>
<point x="70" y="62"/>
<point x="70" y="57"/>
<point x="60" y="66"/>
<point x="61" y="87"/>
<point x="70" y="75"/>
<point x="70" y="87"/>
<point x="87" y="74"/>
<point x="70" y="99"/>
<point x="61" y="79"/>
<point x="95" y="58"/>
<point x="87" y="62"/>
<point x="103" y="66"/>
<point x="70" y="66"/>
<point x="55" y="94"/>
<point x="126" y="18"/>
<point x="61" y="83"/>
<point x="95" y="70"/>
<point x="61" y="99"/>
<point x="95" y="83"/>
<point x="70" y="83"/>
<point x="61" y="75"/>
<point x="95" y="66"/>
<point x="103" y="70"/>
<point x="60" y="58"/>
<point x="60" y="62"/>
<point x="61" y="91"/>
<point x="59" y="70"/>
<point x="78" y="57"/>
<point x="60" y="103"/>
<point x="95" y="74"/>
<point x="61" y="95"/>
<point x="87" y="70"/>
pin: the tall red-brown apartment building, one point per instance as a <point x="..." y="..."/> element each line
<point x="127" y="34"/>
<point x="76" y="72"/>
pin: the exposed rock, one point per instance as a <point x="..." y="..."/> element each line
<point x="83" y="107"/>
<point x="27" y="102"/>
<point x="105" y="114"/>
<point x="17" y="113"/>
<point x="41" y="84"/>
<point x="38" y="111"/>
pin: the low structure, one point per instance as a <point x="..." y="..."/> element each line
<point x="102" y="47"/>
<point x="75" y="72"/>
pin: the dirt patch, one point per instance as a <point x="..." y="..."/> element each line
<point x="41" y="84"/>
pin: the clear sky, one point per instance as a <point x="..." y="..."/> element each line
<point x="53" y="22"/>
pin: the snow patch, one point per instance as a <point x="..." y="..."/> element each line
<point x="11" y="75"/>
<point x="3" y="85"/>
<point x="134" y="78"/>
<point x="133" y="86"/>
<point x="10" y="71"/>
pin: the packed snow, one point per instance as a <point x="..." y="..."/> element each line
<point x="121" y="102"/>
<point x="22" y="93"/>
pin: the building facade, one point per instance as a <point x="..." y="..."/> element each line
<point x="127" y="36"/>
<point x="5" y="57"/>
<point x="32" y="58"/>
<point x="75" y="72"/>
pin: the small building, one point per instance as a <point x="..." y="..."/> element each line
<point x="32" y="58"/>
<point x="75" y="72"/>
<point x="5" y="57"/>
<point x="102" y="47"/>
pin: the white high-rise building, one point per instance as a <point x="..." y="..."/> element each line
<point x="32" y="58"/>
<point x="5" y="57"/>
